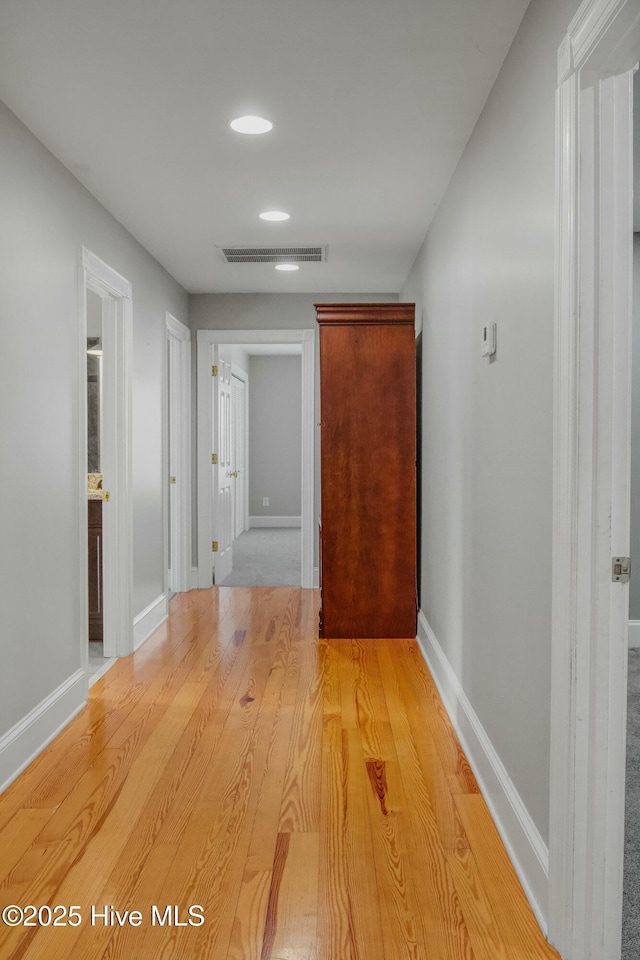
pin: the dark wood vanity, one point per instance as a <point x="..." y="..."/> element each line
<point x="95" y="569"/>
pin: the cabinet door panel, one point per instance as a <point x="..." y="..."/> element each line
<point x="368" y="473"/>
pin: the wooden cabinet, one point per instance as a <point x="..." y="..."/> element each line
<point x="95" y="570"/>
<point x="368" y="470"/>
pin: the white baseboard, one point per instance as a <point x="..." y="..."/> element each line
<point x="524" y="844"/>
<point x="275" y="521"/>
<point x="634" y="633"/>
<point x="22" y="744"/>
<point x="316" y="576"/>
<point x="149" y="620"/>
<point x="194" y="578"/>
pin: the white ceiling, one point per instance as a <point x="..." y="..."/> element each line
<point x="373" y="102"/>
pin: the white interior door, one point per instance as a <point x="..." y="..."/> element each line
<point x="178" y="454"/>
<point x="223" y="479"/>
<point x="172" y="365"/>
<point x="239" y="399"/>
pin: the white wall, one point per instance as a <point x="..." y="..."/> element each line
<point x="46" y="218"/>
<point x="275" y="446"/>
<point x="487" y="427"/>
<point x="267" y="311"/>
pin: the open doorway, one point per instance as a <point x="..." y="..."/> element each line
<point x="105" y="464"/>
<point x="631" y="884"/>
<point x="98" y="663"/>
<point x="591" y="521"/>
<point x="265" y="465"/>
<point x="177" y="457"/>
<point x="234" y="511"/>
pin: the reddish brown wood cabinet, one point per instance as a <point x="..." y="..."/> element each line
<point x="368" y="470"/>
<point x="95" y="570"/>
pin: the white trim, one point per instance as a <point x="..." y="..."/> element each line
<point x="205" y="340"/>
<point x="308" y="451"/>
<point x="149" y="620"/>
<point x="275" y="521"/>
<point x="194" y="578"/>
<point x="177" y="407"/>
<point x="634" y="634"/>
<point x="24" y="741"/>
<point x="100" y="672"/>
<point x="204" y="446"/>
<point x="601" y="36"/>
<point x="316" y="577"/>
<point x="591" y="478"/>
<point x="524" y="844"/>
<point x="115" y="292"/>
<point x="240" y="374"/>
<point x="177" y="329"/>
<point x="111" y="282"/>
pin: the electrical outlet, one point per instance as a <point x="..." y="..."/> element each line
<point x="265" y="501"/>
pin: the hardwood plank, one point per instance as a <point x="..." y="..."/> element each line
<point x="454" y="762"/>
<point x="249" y="920"/>
<point x="334" y="932"/>
<point x="521" y="933"/>
<point x="439" y="904"/>
<point x="431" y="758"/>
<point x="300" y="809"/>
<point x="18" y="835"/>
<point x="291" y="921"/>
<point x="400" y="918"/>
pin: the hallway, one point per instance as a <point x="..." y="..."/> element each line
<point x="309" y="796"/>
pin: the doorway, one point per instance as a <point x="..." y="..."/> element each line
<point x="177" y="456"/>
<point x="265" y="436"/>
<point x="217" y="515"/>
<point x="105" y="352"/>
<point x="631" y="882"/>
<point x="591" y="478"/>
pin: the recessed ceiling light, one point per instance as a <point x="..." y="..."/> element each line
<point x="274" y="215"/>
<point x="287" y="266"/>
<point x="251" y="125"/>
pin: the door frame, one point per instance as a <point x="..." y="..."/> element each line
<point x="205" y="340"/>
<point x="177" y="450"/>
<point x="117" y="515"/>
<point x="591" y="477"/>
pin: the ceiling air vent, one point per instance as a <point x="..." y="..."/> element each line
<point x="274" y="254"/>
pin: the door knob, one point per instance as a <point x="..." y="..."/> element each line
<point x="233" y="473"/>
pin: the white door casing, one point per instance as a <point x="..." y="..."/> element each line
<point x="223" y="507"/>
<point x="177" y="437"/>
<point x="591" y="477"/>
<point x="205" y="340"/>
<point x="117" y="514"/>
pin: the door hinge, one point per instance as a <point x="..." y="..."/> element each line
<point x="172" y="479"/>
<point x="214" y="458"/>
<point x="214" y="546"/>
<point x="106" y="495"/>
<point x="621" y="569"/>
<point x="214" y="370"/>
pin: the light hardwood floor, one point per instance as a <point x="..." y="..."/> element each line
<point x="309" y="795"/>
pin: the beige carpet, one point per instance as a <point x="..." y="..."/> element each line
<point x="266" y="557"/>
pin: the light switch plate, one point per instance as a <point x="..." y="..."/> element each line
<point x="489" y="337"/>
